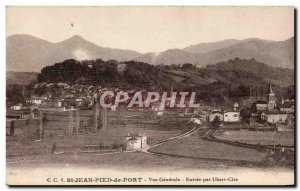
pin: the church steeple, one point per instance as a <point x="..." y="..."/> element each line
<point x="270" y="90"/>
<point x="271" y="99"/>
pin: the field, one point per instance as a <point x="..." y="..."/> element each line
<point x="258" y="137"/>
<point x="56" y="130"/>
<point x="119" y="161"/>
<point x="189" y="152"/>
<point x="195" y="146"/>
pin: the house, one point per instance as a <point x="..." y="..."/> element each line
<point x="215" y="114"/>
<point x="158" y="107"/>
<point x="132" y="144"/>
<point x="113" y="108"/>
<point x="231" y="116"/>
<point x="136" y="141"/>
<point x="160" y="113"/>
<point x="78" y="101"/>
<point x="35" y="101"/>
<point x="260" y="106"/>
<point x="52" y="103"/>
<point x="196" y="120"/>
<point x="274" y="116"/>
<point x="16" y="106"/>
<point x="287" y="106"/>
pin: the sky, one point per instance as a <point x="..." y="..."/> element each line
<point x="151" y="29"/>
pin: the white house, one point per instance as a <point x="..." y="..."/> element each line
<point x="231" y="116"/>
<point x="136" y="141"/>
<point x="274" y="116"/>
<point x="16" y="107"/>
<point x="160" y="113"/>
<point x="288" y="107"/>
<point x="195" y="120"/>
<point x="35" y="101"/>
<point x="113" y="108"/>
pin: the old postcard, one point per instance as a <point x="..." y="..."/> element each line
<point x="150" y="96"/>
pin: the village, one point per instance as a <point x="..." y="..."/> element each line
<point x="149" y="95"/>
<point x="269" y="110"/>
<point x="266" y="114"/>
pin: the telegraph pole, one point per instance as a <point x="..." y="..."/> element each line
<point x="41" y="125"/>
<point x="77" y="122"/>
<point x="96" y="113"/>
<point x="104" y="118"/>
<point x="70" y="126"/>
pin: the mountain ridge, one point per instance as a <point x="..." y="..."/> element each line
<point x="30" y="54"/>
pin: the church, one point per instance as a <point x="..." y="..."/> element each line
<point x="268" y="109"/>
<point x="269" y="104"/>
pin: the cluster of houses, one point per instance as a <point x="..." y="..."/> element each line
<point x="267" y="111"/>
<point x="226" y="116"/>
<point x="20" y="111"/>
<point x="274" y="112"/>
<point x="66" y="97"/>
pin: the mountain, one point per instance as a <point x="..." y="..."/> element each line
<point x="207" y="47"/>
<point x="272" y="53"/>
<point x="20" y="78"/>
<point x="28" y="53"/>
<point x="171" y="56"/>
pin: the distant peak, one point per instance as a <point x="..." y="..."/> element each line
<point x="76" y="37"/>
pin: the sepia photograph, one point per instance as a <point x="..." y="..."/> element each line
<point x="150" y="95"/>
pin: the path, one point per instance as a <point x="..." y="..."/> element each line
<point x="186" y="134"/>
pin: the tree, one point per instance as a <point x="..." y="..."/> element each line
<point x="45" y="119"/>
<point x="28" y="121"/>
<point x="216" y="123"/>
<point x="288" y="121"/>
<point x="187" y="66"/>
<point x="12" y="128"/>
<point x="246" y="114"/>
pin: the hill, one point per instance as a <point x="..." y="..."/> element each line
<point x="272" y="75"/>
<point x="232" y="73"/>
<point x="105" y="73"/>
<point x="221" y="81"/>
